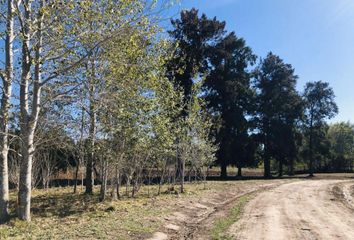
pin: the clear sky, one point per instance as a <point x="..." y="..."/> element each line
<point x="315" y="36"/>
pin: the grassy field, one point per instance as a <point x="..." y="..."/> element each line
<point x="57" y="213"/>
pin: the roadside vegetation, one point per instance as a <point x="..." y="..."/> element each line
<point x="58" y="214"/>
<point x="219" y="231"/>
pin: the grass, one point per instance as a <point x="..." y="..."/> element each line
<point x="219" y="230"/>
<point x="57" y="213"/>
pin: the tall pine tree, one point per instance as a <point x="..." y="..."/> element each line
<point x="228" y="91"/>
<point x="279" y="107"/>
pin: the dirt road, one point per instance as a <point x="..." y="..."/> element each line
<point x="193" y="217"/>
<point x="311" y="209"/>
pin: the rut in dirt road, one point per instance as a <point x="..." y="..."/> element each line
<point x="299" y="210"/>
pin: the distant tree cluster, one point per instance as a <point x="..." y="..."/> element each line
<point x="334" y="148"/>
<point x="97" y="91"/>
<point x="258" y="115"/>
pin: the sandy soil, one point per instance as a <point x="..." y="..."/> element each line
<point x="192" y="218"/>
<point x="308" y="209"/>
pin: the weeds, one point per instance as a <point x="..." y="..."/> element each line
<point x="219" y="231"/>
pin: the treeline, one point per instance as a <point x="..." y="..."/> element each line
<point x="84" y="84"/>
<point x="258" y="116"/>
<point x="99" y="86"/>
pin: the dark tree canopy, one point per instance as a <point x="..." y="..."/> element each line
<point x="267" y="116"/>
<point x="230" y="97"/>
<point x="279" y="107"/>
<point x="319" y="106"/>
<point x="194" y="36"/>
<point x="319" y="103"/>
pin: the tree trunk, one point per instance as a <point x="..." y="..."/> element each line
<point x="24" y="194"/>
<point x="82" y="181"/>
<point x="182" y="169"/>
<point x="4" y="180"/>
<point x="29" y="121"/>
<point x="89" y="181"/>
<point x="76" y="176"/>
<point x="127" y="184"/>
<point x="205" y="173"/>
<point x="239" y="172"/>
<point x="4" y="113"/>
<point x="267" y="167"/>
<point x="223" y="174"/>
<point x="266" y="160"/>
<point x="89" y="166"/>
<point x="103" y="189"/>
<point x="291" y="167"/>
<point x="81" y="154"/>
<point x="116" y="185"/>
<point x="162" y="178"/>
<point x="280" y="174"/>
<point x="311" y="154"/>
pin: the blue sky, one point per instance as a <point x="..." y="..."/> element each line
<point x="315" y="36"/>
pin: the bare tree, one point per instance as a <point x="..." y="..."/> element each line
<point x="7" y="78"/>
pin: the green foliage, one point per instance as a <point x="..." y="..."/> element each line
<point x="279" y="109"/>
<point x="219" y="230"/>
<point x="195" y="36"/>
<point x="319" y="106"/>
<point x="341" y="138"/>
<point x="319" y="103"/>
<point x="198" y="149"/>
<point x="231" y="100"/>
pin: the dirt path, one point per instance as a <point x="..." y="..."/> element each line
<point x="312" y="209"/>
<point x="193" y="218"/>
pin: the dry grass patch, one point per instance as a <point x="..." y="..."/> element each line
<point x="57" y="213"/>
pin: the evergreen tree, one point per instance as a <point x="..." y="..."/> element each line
<point x="319" y="106"/>
<point x="279" y="107"/>
<point x="193" y="36"/>
<point x="230" y="99"/>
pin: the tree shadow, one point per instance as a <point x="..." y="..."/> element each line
<point x="63" y="204"/>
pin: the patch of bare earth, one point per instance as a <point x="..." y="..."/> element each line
<point x="309" y="209"/>
<point x="192" y="218"/>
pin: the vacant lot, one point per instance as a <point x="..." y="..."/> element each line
<point x="298" y="208"/>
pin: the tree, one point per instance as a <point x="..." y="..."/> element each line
<point x="6" y="75"/>
<point x="138" y="105"/>
<point x="52" y="36"/>
<point x="122" y="23"/>
<point x="279" y="107"/>
<point x="230" y="99"/>
<point x="195" y="147"/>
<point x="42" y="60"/>
<point x="193" y="36"/>
<point x="341" y="138"/>
<point x="319" y="106"/>
<point x="321" y="148"/>
<point x="92" y="79"/>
